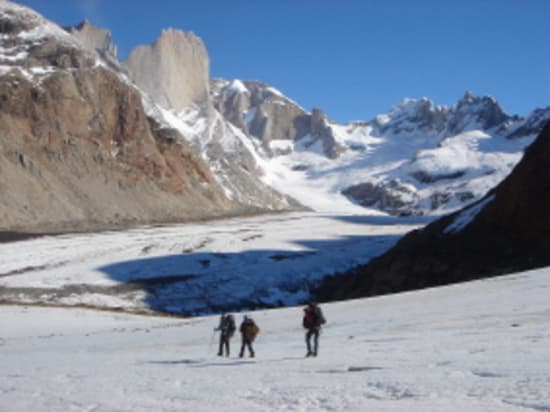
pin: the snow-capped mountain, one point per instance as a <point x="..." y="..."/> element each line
<point x="419" y="158"/>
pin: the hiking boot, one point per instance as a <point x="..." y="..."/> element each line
<point x="240" y="355"/>
<point x="251" y="355"/>
<point x="309" y="354"/>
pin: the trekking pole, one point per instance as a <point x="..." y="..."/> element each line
<point x="212" y="340"/>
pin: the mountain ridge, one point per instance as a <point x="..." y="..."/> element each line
<point x="264" y="152"/>
<point x="281" y="138"/>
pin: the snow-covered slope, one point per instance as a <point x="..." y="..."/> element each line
<point x="476" y="347"/>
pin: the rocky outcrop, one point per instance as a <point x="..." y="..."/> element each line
<point x="174" y="70"/>
<point x="394" y="198"/>
<point x="259" y="110"/>
<point x="94" y="38"/>
<point x="321" y="131"/>
<point x="507" y="231"/>
<point x="267" y="115"/>
<point x="532" y="124"/>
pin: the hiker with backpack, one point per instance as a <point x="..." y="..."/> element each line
<point x="248" y="330"/>
<point x="312" y="321"/>
<point x="227" y="329"/>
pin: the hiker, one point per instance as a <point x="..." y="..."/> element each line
<point x="227" y="329"/>
<point x="313" y="319"/>
<point x="249" y="330"/>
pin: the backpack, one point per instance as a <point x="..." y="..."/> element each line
<point x="319" y="315"/>
<point x="250" y="329"/>
<point x="228" y="325"/>
<point x="313" y="317"/>
<point x="310" y="320"/>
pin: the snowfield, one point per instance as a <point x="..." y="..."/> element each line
<point x="480" y="346"/>
<point x="263" y="261"/>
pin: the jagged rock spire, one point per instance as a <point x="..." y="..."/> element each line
<point x="174" y="70"/>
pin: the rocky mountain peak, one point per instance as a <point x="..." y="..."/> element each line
<point x="471" y="102"/>
<point x="411" y="115"/>
<point x="471" y="112"/>
<point x="236" y="87"/>
<point x="409" y="105"/>
<point x="173" y="70"/>
<point x="318" y="120"/>
<point x="94" y="38"/>
<point x="468" y="97"/>
<point x="476" y="112"/>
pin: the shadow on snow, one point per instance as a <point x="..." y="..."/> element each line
<point x="194" y="283"/>
<point x="385" y="220"/>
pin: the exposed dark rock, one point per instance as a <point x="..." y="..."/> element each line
<point x="389" y="199"/>
<point x="271" y="116"/>
<point x="484" y="112"/>
<point x="413" y="116"/>
<point x="438" y="198"/>
<point x="533" y="124"/>
<point x="424" y="177"/>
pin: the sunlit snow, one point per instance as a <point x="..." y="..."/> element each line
<point x="477" y="347"/>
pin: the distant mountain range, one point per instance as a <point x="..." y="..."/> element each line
<point x="418" y="159"/>
<point x="91" y="141"/>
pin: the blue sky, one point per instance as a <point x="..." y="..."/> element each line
<point x="352" y="58"/>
